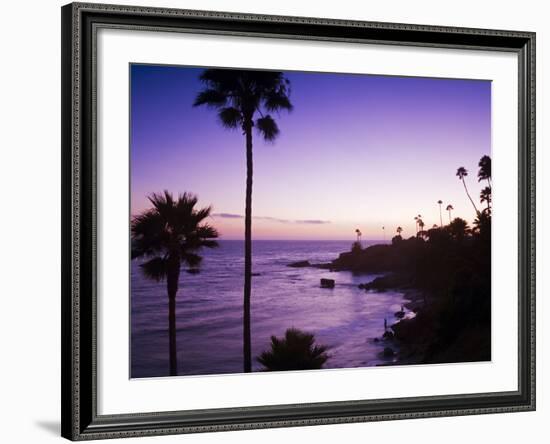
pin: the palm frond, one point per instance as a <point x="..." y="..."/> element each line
<point x="206" y="231"/>
<point x="230" y="117"/>
<point x="278" y="100"/>
<point x="202" y="237"/>
<point x="162" y="202"/>
<point x="267" y="127"/>
<point x="484" y="172"/>
<point x="461" y="172"/>
<point x="148" y="234"/>
<point x="211" y="98"/>
<point x="485" y="194"/>
<point x="202" y="214"/>
<point x="154" y="269"/>
<point x="191" y="259"/>
<point x="296" y="351"/>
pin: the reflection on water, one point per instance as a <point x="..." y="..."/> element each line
<point x="209" y="310"/>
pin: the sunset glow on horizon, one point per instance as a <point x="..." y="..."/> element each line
<point x="357" y="151"/>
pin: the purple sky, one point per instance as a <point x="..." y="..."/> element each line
<point x="357" y="151"/>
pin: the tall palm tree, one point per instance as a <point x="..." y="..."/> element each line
<point x="244" y="99"/>
<point x="449" y="209"/>
<point x="169" y="235"/>
<point x="440" y="202"/>
<point x="461" y="174"/>
<point x="358" y="233"/>
<point x="399" y="231"/>
<point x="484" y="172"/>
<point x="416" y="224"/>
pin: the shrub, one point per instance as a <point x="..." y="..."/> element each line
<point x="296" y="351"/>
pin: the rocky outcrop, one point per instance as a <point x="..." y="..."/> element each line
<point x="300" y="264"/>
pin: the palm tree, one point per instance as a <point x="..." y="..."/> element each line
<point x="296" y="351"/>
<point x="462" y="173"/>
<point x="459" y="228"/>
<point x="439" y="202"/>
<point x="416" y="224"/>
<point x="485" y="196"/>
<point x="484" y="172"/>
<point x="358" y="233"/>
<point x="420" y="227"/>
<point x="399" y="231"/>
<point x="449" y="209"/>
<point x="169" y="235"/>
<point x="244" y="99"/>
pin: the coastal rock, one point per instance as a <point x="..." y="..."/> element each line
<point x="299" y="264"/>
<point x="388" y="352"/>
<point x="389" y="281"/>
<point x="327" y="283"/>
<point x="323" y="266"/>
<point x="401" y="313"/>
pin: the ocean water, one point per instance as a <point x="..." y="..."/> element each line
<point x="209" y="310"/>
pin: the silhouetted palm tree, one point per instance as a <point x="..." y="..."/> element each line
<point x="399" y="230"/>
<point x="358" y="233"/>
<point x="482" y="225"/>
<point x="484" y="172"/>
<point x="421" y="227"/>
<point x="462" y="173"/>
<point x="439" y="202"/>
<point x="459" y="228"/>
<point x="169" y="235"/>
<point x="244" y="99"/>
<point x="485" y="196"/>
<point x="416" y="224"/>
<point x="296" y="351"/>
<point x="449" y="209"/>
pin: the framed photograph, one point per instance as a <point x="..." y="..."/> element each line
<point x="282" y="221"/>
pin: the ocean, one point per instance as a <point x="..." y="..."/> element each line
<point x="209" y="309"/>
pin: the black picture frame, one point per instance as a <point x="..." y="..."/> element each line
<point x="80" y="420"/>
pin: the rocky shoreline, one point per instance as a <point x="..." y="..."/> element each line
<point x="441" y="329"/>
<point x="397" y="338"/>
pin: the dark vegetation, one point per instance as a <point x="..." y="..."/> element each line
<point x="450" y="267"/>
<point x="296" y="351"/>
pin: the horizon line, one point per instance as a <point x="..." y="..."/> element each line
<point x="308" y="240"/>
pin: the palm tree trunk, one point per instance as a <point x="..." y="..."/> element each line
<point x="172" y="335"/>
<point x="247" y="348"/>
<point x="440" y="217"/>
<point x="172" y="287"/>
<point x="450" y="216"/>
<point x="469" y="197"/>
